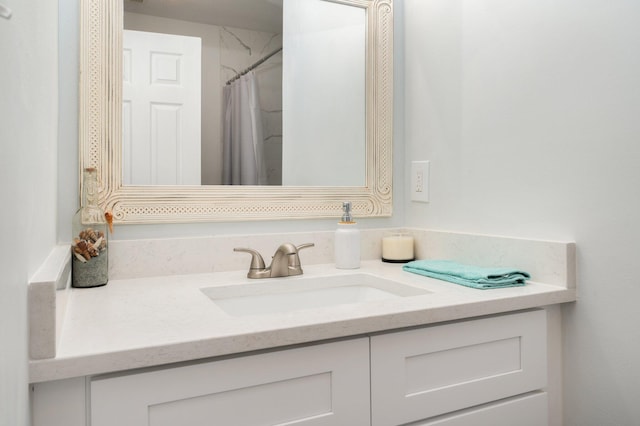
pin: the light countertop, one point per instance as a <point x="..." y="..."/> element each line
<point x="143" y="322"/>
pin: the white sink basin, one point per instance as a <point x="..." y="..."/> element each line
<point x="293" y="294"/>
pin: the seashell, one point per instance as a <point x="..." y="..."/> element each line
<point x="98" y="244"/>
<point x="109" y="218"/>
<point x="93" y="252"/>
<point x="79" y="253"/>
<point x="80" y="257"/>
<point x="86" y="249"/>
<point x="88" y="234"/>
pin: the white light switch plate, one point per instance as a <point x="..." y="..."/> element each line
<point x="420" y="181"/>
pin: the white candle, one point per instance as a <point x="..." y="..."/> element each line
<point x="397" y="247"/>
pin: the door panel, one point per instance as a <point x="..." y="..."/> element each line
<point x="161" y="109"/>
<point x="320" y="385"/>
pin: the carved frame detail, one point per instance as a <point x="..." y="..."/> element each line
<point x="100" y="136"/>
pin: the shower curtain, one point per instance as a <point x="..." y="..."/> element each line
<point x="243" y="162"/>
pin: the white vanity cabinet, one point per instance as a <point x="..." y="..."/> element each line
<point x="422" y="373"/>
<point x="318" y="385"/>
<point x="483" y="371"/>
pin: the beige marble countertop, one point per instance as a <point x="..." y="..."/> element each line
<point x="143" y="322"/>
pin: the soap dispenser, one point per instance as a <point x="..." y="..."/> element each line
<point x="347" y="241"/>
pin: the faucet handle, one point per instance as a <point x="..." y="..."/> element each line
<point x="294" y="260"/>
<point x="256" y="258"/>
<point x="304" y="246"/>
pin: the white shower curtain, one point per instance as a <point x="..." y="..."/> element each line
<point x="242" y="139"/>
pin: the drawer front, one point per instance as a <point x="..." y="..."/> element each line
<point x="316" y="385"/>
<point x="417" y="374"/>
<point x="529" y="410"/>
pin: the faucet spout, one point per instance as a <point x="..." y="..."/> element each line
<point x="283" y="259"/>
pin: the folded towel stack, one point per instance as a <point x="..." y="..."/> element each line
<point x="468" y="275"/>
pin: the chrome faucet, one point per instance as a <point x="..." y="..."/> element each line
<point x="285" y="262"/>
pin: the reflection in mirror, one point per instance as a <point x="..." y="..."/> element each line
<point x="252" y="92"/>
<point x="101" y="118"/>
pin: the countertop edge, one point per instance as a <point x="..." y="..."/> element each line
<point x="241" y="344"/>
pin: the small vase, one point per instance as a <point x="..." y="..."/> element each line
<point x="89" y="253"/>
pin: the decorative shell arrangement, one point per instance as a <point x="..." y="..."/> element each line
<point x="89" y="244"/>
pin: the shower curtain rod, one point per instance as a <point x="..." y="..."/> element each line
<point x="254" y="66"/>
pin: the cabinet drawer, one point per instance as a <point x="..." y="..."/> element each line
<point x="316" y="385"/>
<point x="529" y="410"/>
<point x="417" y="374"/>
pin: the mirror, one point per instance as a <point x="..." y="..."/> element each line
<point x="202" y="110"/>
<point x="366" y="125"/>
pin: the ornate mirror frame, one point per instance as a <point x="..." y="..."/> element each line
<point x="100" y="136"/>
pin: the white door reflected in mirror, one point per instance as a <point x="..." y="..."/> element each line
<point x="161" y="109"/>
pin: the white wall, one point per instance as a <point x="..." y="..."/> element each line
<point x="324" y="115"/>
<point x="28" y="155"/>
<point x="68" y="64"/>
<point x="529" y="113"/>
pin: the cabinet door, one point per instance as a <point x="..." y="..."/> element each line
<point x="529" y="410"/>
<point x="317" y="385"/>
<point x="59" y="403"/>
<point x="421" y="373"/>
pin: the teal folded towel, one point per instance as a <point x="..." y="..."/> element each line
<point x="468" y="275"/>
